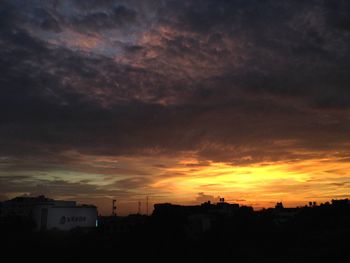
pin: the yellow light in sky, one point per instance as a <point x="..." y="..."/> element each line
<point x="261" y="184"/>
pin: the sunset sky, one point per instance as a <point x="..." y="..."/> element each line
<point x="179" y="100"/>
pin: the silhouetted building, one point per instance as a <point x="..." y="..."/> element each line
<point x="279" y="205"/>
<point x="49" y="213"/>
<point x="283" y="215"/>
<point x="340" y="202"/>
<point x="199" y="223"/>
<point x="170" y="210"/>
<point x="196" y="219"/>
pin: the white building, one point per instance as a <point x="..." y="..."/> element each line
<point x="51" y="214"/>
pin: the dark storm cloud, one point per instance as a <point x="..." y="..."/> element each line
<point x="293" y="47"/>
<point x="234" y="81"/>
<point x="118" y="16"/>
<point x="132" y="183"/>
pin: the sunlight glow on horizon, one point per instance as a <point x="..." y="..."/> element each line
<point x="294" y="182"/>
<point x="190" y="180"/>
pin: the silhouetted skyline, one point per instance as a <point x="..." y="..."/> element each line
<point x="204" y="233"/>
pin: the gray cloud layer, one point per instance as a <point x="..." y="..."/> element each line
<point x="236" y="81"/>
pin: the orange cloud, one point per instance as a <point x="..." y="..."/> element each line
<point x="73" y="40"/>
<point x="262" y="184"/>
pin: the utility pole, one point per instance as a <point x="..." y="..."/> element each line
<point x="114" y="208"/>
<point x="139" y="208"/>
<point x="147" y="205"/>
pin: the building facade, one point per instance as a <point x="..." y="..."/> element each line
<point x="51" y="214"/>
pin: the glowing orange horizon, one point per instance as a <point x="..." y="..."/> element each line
<point x="263" y="184"/>
<point x="192" y="181"/>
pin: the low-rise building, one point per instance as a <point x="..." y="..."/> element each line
<point x="49" y="214"/>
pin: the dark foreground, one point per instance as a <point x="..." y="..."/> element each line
<point x="317" y="234"/>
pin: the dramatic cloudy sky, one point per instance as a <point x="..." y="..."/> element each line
<point x="181" y="101"/>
